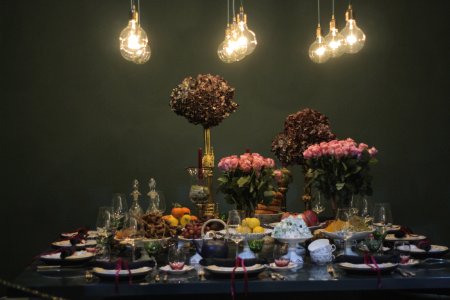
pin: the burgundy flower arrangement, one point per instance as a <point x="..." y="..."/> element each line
<point x="206" y="100"/>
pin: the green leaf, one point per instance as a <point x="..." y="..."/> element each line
<point x="339" y="186"/>
<point x="243" y="181"/>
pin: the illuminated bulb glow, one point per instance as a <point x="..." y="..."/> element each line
<point x="134" y="44"/>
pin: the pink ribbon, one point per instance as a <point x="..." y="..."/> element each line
<point x="239" y="262"/>
<point x="368" y="259"/>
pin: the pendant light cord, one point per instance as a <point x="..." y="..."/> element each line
<point x="318" y="12"/>
<point x="228" y="12"/>
<point x="234" y="12"/>
<point x="139" y="11"/>
<point x="332" y="9"/>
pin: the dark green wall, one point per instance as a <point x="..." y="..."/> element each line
<point x="78" y="122"/>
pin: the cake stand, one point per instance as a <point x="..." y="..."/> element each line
<point x="292" y="247"/>
<point x="348" y="237"/>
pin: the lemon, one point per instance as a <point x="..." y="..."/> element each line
<point x="252" y="222"/>
<point x="172" y="220"/>
<point x="186" y="219"/>
<point x="243" y="229"/>
<point x="258" y="229"/>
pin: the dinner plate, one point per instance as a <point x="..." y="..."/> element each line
<point x="66" y="243"/>
<point x="123" y="274"/>
<point x="291" y="265"/>
<point x="388" y="228"/>
<point x="435" y="251"/>
<point x="239" y="270"/>
<point x="410" y="263"/>
<point x="408" y="237"/>
<point x="78" y="257"/>
<point x="312" y="228"/>
<point x="169" y="270"/>
<point x="357" y="235"/>
<point x="91" y="234"/>
<point x="366" y="269"/>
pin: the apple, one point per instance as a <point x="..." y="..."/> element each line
<point x="310" y="218"/>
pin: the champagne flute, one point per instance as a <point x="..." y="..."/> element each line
<point x="343" y="215"/>
<point x="234" y="221"/>
<point x="103" y="225"/>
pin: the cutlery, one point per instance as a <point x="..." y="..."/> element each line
<point x="165" y="278"/>
<point x="157" y="279"/>
<point x="331" y="271"/>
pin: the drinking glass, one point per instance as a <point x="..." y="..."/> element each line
<point x="382" y="216"/>
<point x="343" y="215"/>
<point x="318" y="206"/>
<point x="176" y="258"/>
<point x="256" y="246"/>
<point x="403" y="250"/>
<point x="104" y="219"/>
<point x="280" y="254"/>
<point x="119" y="210"/>
<point x="235" y="218"/>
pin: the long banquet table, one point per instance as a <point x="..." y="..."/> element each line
<point x="310" y="279"/>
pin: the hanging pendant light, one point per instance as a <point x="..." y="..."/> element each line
<point x="134" y="45"/>
<point x="318" y="51"/>
<point x="353" y="35"/>
<point x="246" y="36"/>
<point x="334" y="40"/>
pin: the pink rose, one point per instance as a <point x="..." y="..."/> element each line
<point x="258" y="163"/>
<point x="363" y="146"/>
<point x="245" y="165"/>
<point x="307" y="154"/>
<point x="373" y="151"/>
<point x="270" y="163"/>
<point x="278" y="175"/>
<point x="339" y="153"/>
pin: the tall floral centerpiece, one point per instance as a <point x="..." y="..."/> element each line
<point x="206" y="100"/>
<point x="340" y="169"/>
<point x="246" y="180"/>
<point x="301" y="129"/>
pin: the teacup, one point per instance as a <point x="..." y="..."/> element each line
<point x="320" y="258"/>
<point x="328" y="249"/>
<point x="317" y="244"/>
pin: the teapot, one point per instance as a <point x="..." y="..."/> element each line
<point x="212" y="248"/>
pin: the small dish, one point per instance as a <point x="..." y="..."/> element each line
<point x="273" y="266"/>
<point x="408" y="237"/>
<point x="66" y="243"/>
<point x="168" y="269"/>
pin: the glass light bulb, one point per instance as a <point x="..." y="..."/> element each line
<point x="225" y="53"/>
<point x="133" y="40"/>
<point x="145" y="55"/>
<point x="335" y="43"/>
<point x="238" y="45"/>
<point x="354" y="37"/>
<point x="318" y="51"/>
<point x="247" y="37"/>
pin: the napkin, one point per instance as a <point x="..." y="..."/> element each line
<point x="403" y="231"/>
<point x="424" y="244"/>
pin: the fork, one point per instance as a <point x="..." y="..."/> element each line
<point x="330" y="270"/>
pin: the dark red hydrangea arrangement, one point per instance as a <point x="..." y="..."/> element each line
<point x="206" y="100"/>
<point x="301" y="129"/>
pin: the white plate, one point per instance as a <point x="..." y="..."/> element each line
<point x="410" y="263"/>
<point x="365" y="266"/>
<point x="248" y="236"/>
<point x="388" y="228"/>
<point x="122" y="273"/>
<point x="66" y="243"/>
<point x="433" y="249"/>
<point x="91" y="234"/>
<point x="228" y="270"/>
<point x="415" y="237"/>
<point x="77" y="256"/>
<point x="168" y="269"/>
<point x="353" y="235"/>
<point x="291" y="265"/>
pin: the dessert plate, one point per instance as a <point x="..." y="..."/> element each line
<point x="408" y="237"/>
<point x="168" y="269"/>
<point x="228" y="270"/>
<point x="111" y="274"/>
<point x="435" y="250"/>
<point x="66" y="243"/>
<point x="273" y="266"/>
<point x="78" y="257"/>
<point x="367" y="269"/>
<point x="91" y="234"/>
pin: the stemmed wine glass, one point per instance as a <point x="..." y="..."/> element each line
<point x="318" y="206"/>
<point x="233" y="222"/>
<point x="176" y="258"/>
<point x="119" y="210"/>
<point x="103" y="225"/>
<point x="382" y="216"/>
<point x="343" y="215"/>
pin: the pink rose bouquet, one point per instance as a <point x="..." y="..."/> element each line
<point x="340" y="168"/>
<point x="247" y="179"/>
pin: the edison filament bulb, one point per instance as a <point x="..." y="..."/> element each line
<point x="353" y="35"/>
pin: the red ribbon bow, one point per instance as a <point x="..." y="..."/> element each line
<point x="119" y="268"/>
<point x="368" y="259"/>
<point x="239" y="263"/>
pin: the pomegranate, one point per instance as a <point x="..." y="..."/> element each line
<point x="310" y="218"/>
